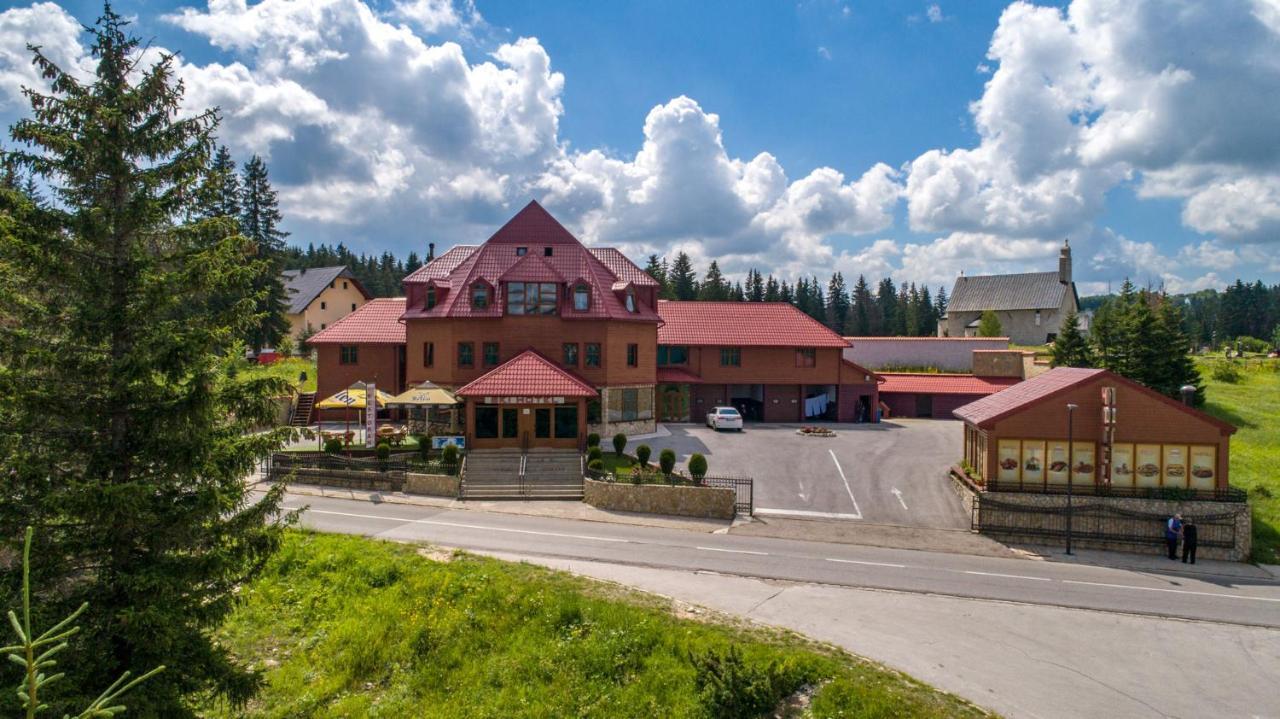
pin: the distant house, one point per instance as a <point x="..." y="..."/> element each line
<point x="320" y="296"/>
<point x="1030" y="305"/>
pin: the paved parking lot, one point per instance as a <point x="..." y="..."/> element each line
<point x="890" y="473"/>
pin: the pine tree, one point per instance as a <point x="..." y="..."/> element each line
<point x="786" y="293"/>
<point x="901" y="317"/>
<point x="683" y="280"/>
<point x="219" y="194"/>
<point x="124" y="433"/>
<point x="657" y="269"/>
<point x="989" y="325"/>
<point x="1172" y="366"/>
<point x="1070" y="348"/>
<point x="837" y="309"/>
<point x="940" y="309"/>
<point x="756" y="287"/>
<point x="859" y="324"/>
<point x="887" y="302"/>
<point x="772" y="292"/>
<point x="260" y="221"/>
<point x="714" y="286"/>
<point x="738" y="294"/>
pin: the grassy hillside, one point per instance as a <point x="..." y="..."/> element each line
<point x="289" y="369"/>
<point x="1253" y="405"/>
<point x="350" y="627"/>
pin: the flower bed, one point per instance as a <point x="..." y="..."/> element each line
<point x="815" y="431"/>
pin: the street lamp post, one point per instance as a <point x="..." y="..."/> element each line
<point x="1071" y="409"/>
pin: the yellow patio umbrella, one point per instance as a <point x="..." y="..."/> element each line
<point x="424" y="395"/>
<point x="351" y="399"/>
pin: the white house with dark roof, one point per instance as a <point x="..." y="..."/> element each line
<point x="1029" y="305"/>
<point x="320" y="296"/>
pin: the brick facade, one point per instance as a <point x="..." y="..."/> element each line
<point x="379" y="364"/>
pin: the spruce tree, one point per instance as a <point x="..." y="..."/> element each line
<point x="772" y="292"/>
<point x="124" y="433"/>
<point x="656" y="268"/>
<point x="219" y="194"/>
<point x="837" y="309"/>
<point x="859" y="324"/>
<point x="683" y="280"/>
<point x="1172" y="366"/>
<point x="755" y="287"/>
<point x="1070" y="348"/>
<point x="887" y="303"/>
<point x="714" y="286"/>
<point x="260" y="221"/>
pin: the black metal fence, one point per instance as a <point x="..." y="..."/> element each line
<point x="1177" y="494"/>
<point x="337" y="470"/>
<point x="743" y="487"/>
<point x="1094" y="521"/>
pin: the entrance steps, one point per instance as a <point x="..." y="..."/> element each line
<point x="549" y="474"/>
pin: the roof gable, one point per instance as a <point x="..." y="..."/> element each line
<point x="1057" y="381"/>
<point x="1025" y="291"/>
<point x="531" y="268"/>
<point x="528" y="374"/>
<point x="532" y="226"/>
<point x="303" y="286"/>
<point x="375" y="322"/>
<point x="742" y="324"/>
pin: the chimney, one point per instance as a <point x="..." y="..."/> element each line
<point x="431" y="251"/>
<point x="1064" y="263"/>
<point x="1188" y="394"/>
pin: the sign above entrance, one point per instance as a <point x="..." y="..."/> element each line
<point x="524" y="400"/>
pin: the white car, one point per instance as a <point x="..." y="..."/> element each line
<point x="724" y="418"/>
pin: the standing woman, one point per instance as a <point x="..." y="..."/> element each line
<point x="1189" y="540"/>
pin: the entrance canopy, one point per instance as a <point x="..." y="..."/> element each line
<point x="424" y="395"/>
<point x="528" y="374"/>
<point x="351" y="399"/>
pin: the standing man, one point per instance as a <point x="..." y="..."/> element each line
<point x="1172" y="532"/>
<point x="1189" y="540"/>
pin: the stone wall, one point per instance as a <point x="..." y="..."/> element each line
<point x="345" y="478"/>
<point x="1144" y="533"/>
<point x="435" y="485"/>
<point x="681" y="501"/>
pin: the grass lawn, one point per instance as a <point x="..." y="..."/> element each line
<point x="346" y="626"/>
<point x="288" y="369"/>
<point x="1253" y="405"/>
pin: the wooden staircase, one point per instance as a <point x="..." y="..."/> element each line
<point x="513" y="474"/>
<point x="301" y="416"/>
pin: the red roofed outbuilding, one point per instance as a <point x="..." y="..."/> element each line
<point x="1124" y="435"/>
<point x="365" y="346"/>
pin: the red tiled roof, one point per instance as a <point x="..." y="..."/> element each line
<point x="929" y="383"/>
<point x="528" y="374"/>
<point x="535" y="229"/>
<point x="746" y="324"/>
<point x="984" y="411"/>
<point x="376" y="322"/>
<point x="675" y="375"/>
<point x="1035" y="389"/>
<point x="854" y="338"/>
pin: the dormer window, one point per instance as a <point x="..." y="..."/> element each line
<point x="631" y="301"/>
<point x="581" y="298"/>
<point x="431" y="298"/>
<point x="522" y="251"/>
<point x="546" y="251"/>
<point x="531" y="298"/>
<point x="480" y="295"/>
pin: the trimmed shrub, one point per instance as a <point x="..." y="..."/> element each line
<point x="697" y="466"/>
<point x="594" y="453"/>
<point x="593" y="440"/>
<point x="424" y="446"/>
<point x="333" y="445"/>
<point x="1251" y="344"/>
<point x="619" y="443"/>
<point x="642" y="455"/>
<point x="382" y="452"/>
<point x="596" y="465"/>
<point x="667" y="461"/>
<point x="449" y="455"/>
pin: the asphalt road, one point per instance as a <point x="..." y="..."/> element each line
<point x="888" y="473"/>
<point x="1229" y="599"/>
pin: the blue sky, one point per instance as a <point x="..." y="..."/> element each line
<point x="916" y="139"/>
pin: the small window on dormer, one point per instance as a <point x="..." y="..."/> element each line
<point x="581" y="298"/>
<point x="546" y="251"/>
<point x="431" y="298"/>
<point x="522" y="251"/>
<point x="479" y="295"/>
<point x="344" y="285"/>
<point x="631" y="301"/>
